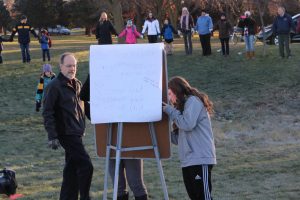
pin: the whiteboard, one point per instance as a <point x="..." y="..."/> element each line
<point x="126" y="83"/>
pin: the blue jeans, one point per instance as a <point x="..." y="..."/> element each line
<point x="249" y="41"/>
<point x="25" y="52"/>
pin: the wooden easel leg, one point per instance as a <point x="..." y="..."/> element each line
<point x="108" y="146"/>
<point x="158" y="161"/>
<point x="118" y="158"/>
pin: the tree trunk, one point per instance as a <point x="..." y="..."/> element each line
<point x="261" y="10"/>
<point x="139" y="18"/>
<point x="118" y="18"/>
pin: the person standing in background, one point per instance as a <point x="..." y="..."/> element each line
<point x="282" y="27"/>
<point x="248" y="25"/>
<point x="204" y="26"/>
<point x="23" y="29"/>
<point x="152" y="26"/>
<point x="225" y="29"/>
<point x="186" y="27"/>
<point x="104" y="29"/>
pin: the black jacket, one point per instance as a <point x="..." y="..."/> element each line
<point x="2" y="40"/>
<point x="103" y="32"/>
<point x="63" y="110"/>
<point x="250" y="24"/>
<point x="224" y="28"/>
<point x="85" y="96"/>
<point x="190" y="25"/>
<point x="23" y="31"/>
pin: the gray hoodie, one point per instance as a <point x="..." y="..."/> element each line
<point x="195" y="139"/>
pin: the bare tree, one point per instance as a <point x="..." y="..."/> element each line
<point x="261" y="6"/>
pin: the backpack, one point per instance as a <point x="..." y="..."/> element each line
<point x="49" y="42"/>
<point x="8" y="182"/>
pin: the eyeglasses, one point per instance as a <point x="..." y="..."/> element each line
<point x="69" y="66"/>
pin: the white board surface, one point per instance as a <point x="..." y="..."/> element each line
<point x="126" y="83"/>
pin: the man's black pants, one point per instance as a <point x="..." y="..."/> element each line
<point x="78" y="171"/>
<point x="197" y="181"/>
<point x="205" y="44"/>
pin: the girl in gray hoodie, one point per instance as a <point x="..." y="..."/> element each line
<point x="190" y="113"/>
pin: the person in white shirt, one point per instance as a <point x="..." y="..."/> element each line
<point x="152" y="26"/>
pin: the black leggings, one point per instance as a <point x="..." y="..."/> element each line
<point x="205" y="43"/>
<point x="197" y="181"/>
<point x="152" y="38"/>
<point x="225" y="45"/>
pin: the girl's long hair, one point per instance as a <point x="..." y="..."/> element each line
<point x="182" y="89"/>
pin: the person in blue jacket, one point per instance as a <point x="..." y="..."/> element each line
<point x="45" y="45"/>
<point x="204" y="26"/>
<point x="167" y="33"/>
<point x="282" y="26"/>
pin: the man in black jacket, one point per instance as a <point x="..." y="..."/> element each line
<point x="64" y="120"/>
<point x="282" y="26"/>
<point x="104" y="30"/>
<point x="23" y="29"/>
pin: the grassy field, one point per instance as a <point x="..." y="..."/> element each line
<point x="256" y="124"/>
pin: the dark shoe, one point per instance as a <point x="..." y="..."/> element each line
<point x="144" y="197"/>
<point x="123" y="197"/>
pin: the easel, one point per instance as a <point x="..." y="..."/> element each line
<point x="118" y="148"/>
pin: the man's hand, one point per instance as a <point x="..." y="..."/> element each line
<point x="37" y="106"/>
<point x="53" y="144"/>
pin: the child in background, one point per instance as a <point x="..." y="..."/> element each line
<point x="46" y="76"/>
<point x="130" y="33"/>
<point x="190" y="111"/>
<point x="167" y="32"/>
<point x="45" y="44"/>
<point x="1" y="47"/>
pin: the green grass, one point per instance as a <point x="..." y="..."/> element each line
<point x="256" y="124"/>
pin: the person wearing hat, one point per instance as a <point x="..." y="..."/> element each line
<point x="130" y="33"/>
<point x="23" y="29"/>
<point x="104" y="30"/>
<point x="204" y="26"/>
<point x="248" y="25"/>
<point x="225" y="29"/>
<point x="45" y="44"/>
<point x="46" y="76"/>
